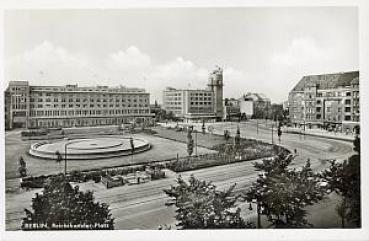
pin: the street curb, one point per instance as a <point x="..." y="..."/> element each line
<point x="320" y="136"/>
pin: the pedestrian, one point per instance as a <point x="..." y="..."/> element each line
<point x="295" y="151"/>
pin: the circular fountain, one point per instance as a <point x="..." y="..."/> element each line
<point x="87" y="149"/>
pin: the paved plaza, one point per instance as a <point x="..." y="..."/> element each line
<point x="143" y="206"/>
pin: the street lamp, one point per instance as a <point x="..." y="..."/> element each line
<point x="65" y="155"/>
<point x="258" y="210"/>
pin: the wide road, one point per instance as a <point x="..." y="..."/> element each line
<point x="143" y="206"/>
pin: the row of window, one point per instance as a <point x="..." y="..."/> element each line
<point x="201" y="110"/>
<point x="88" y="105"/>
<point x="57" y="113"/>
<point x="201" y="103"/>
<point x="319" y="117"/>
<point x="201" y="94"/>
<point x="333" y="94"/>
<point x="32" y="99"/>
<point x="74" y="89"/>
<point x="318" y="102"/>
<point x="200" y="98"/>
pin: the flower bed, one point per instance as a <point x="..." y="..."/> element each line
<point x="210" y="160"/>
<point x="96" y="175"/>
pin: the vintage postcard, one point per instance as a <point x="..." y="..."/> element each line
<point x="180" y="119"/>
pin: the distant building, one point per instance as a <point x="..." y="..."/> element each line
<point x="255" y="105"/>
<point x="326" y="100"/>
<point x="194" y="105"/>
<point x="232" y="109"/>
<point x="155" y="108"/>
<point x="69" y="106"/>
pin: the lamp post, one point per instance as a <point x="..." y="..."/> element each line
<point x="258" y="209"/>
<point x="272" y="134"/>
<point x="65" y="155"/>
<point x="195" y="130"/>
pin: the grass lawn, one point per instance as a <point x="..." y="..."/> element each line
<point x="205" y="140"/>
<point x="249" y="149"/>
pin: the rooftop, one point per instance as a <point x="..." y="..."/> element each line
<point x="254" y="97"/>
<point x="328" y="81"/>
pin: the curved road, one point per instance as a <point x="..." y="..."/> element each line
<point x="143" y="206"/>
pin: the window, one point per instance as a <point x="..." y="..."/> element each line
<point x="348" y="93"/>
<point x="347" y="109"/>
<point x="347" y="118"/>
<point x="347" y="102"/>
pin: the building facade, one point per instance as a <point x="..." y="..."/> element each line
<point x="197" y="105"/>
<point x="232" y="109"/>
<point x="255" y="105"/>
<point x="215" y="85"/>
<point x="72" y="106"/>
<point x="327" y="100"/>
<point x="189" y="105"/>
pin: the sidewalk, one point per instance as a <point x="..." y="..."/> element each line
<point x="320" y="133"/>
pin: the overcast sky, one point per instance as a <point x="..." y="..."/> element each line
<point x="263" y="50"/>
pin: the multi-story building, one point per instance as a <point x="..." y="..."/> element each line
<point x="327" y="100"/>
<point x="255" y="105"/>
<point x="232" y="109"/>
<point x="72" y="106"/>
<point x="197" y="105"/>
<point x="189" y="105"/>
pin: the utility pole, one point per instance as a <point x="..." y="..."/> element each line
<point x="257" y="126"/>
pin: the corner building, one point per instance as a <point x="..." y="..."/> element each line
<point x="72" y="106"/>
<point x="196" y="105"/>
<point x="327" y="100"/>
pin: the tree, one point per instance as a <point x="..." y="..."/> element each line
<point x="190" y="141"/>
<point x="203" y="127"/>
<point x="131" y="142"/>
<point x="237" y="138"/>
<point x="226" y="135"/>
<point x="279" y="132"/>
<point x="282" y="194"/>
<point x="243" y="116"/>
<point x="59" y="157"/>
<point x="22" y="168"/>
<point x="343" y="178"/>
<point x="60" y="203"/>
<point x="21" y="161"/>
<point x="200" y="206"/>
